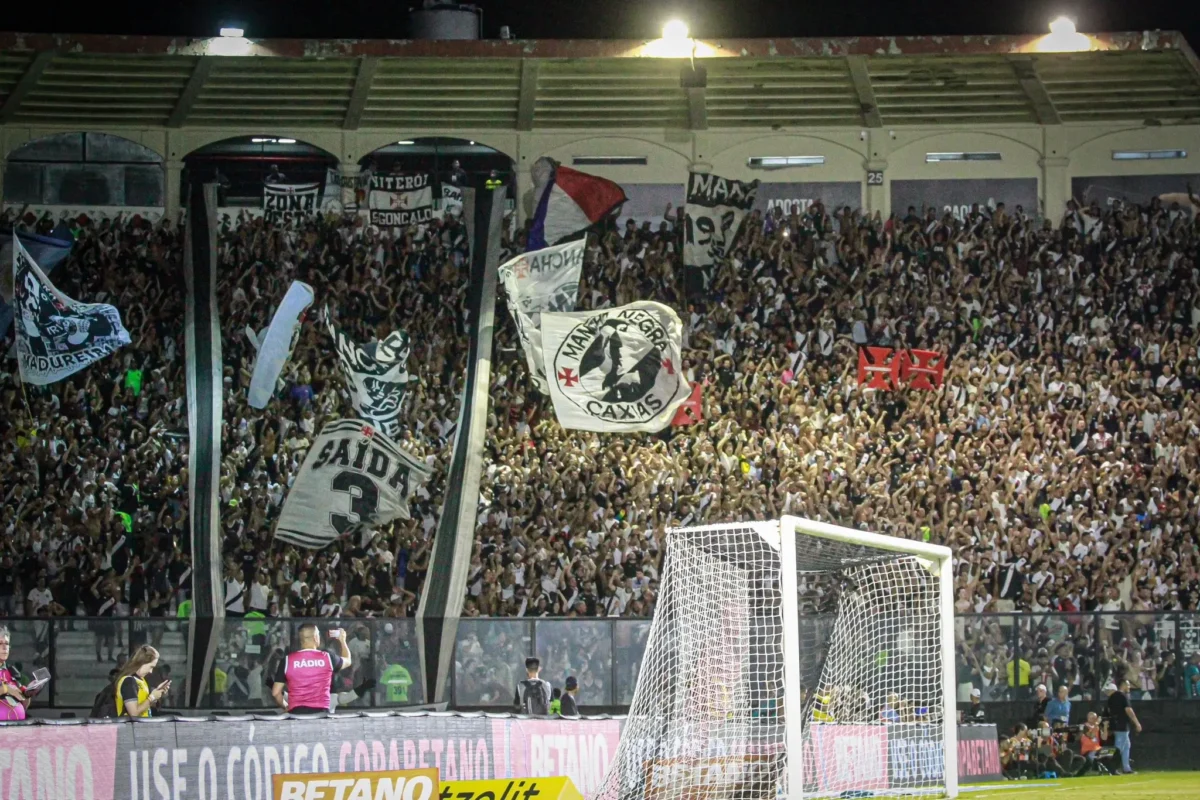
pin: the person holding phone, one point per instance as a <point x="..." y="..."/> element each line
<point x="307" y="674"/>
<point x="134" y="695"/>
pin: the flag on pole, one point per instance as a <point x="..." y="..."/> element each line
<point x="57" y="336"/>
<point x="566" y="201"/>
<point x="617" y="369"/>
<point x="275" y="346"/>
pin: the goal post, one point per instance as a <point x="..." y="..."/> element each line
<point x="793" y="659"/>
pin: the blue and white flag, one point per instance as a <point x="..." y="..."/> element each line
<point x="567" y="201"/>
<point x="57" y="336"/>
<point x="275" y="346"/>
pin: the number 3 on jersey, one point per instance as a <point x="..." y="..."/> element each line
<point x="364" y="500"/>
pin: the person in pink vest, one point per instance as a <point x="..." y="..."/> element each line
<point x="13" y="700"/>
<point x="307" y="674"/>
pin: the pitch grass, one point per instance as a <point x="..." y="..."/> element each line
<point x="1143" y="786"/>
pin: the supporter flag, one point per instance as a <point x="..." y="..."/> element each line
<point x="691" y="411"/>
<point x="715" y="209"/>
<point x="345" y="192"/>
<point x="399" y="200"/>
<point x="377" y="376"/>
<point x="616" y="369"/>
<point x="567" y="201"/>
<point x="353" y="480"/>
<point x="452" y="200"/>
<point x="46" y="251"/>
<point x="289" y="202"/>
<point x="57" y="336"/>
<point x="275" y="346"/>
<point x="544" y="280"/>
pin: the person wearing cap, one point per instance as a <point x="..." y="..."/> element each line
<point x="1040" y="702"/>
<point x="976" y="714"/>
<point x="1120" y="716"/>
<point x="569" y="708"/>
<point x="1058" y="710"/>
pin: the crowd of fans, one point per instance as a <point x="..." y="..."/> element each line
<point x="1059" y="459"/>
<point x="93" y="470"/>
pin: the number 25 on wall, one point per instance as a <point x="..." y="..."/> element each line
<point x="875" y="177"/>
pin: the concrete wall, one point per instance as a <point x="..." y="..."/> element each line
<point x="1052" y="156"/>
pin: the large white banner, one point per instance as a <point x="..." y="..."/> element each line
<point x="544" y="280"/>
<point x="617" y="369"/>
<point x="376" y="375"/>
<point x="289" y="202"/>
<point x="57" y="336"/>
<point x="353" y="480"/>
<point x="715" y="209"/>
<point x="399" y="200"/>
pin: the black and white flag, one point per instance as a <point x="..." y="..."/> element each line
<point x="616" y="369"/>
<point x="452" y="199"/>
<point x="376" y="375"/>
<point x="57" y="336"/>
<point x="398" y="200"/>
<point x="544" y="280"/>
<point x="353" y="480"/>
<point x="289" y="202"/>
<point x="715" y="209"/>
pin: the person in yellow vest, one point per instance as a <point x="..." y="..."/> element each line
<point x="1018" y="684"/>
<point x="134" y="696"/>
<point x="823" y="708"/>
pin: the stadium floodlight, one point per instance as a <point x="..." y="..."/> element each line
<point x="796" y="659"/>
<point x="1063" y="26"/>
<point x="233" y="33"/>
<point x="286" y="141"/>
<point x="405" y="141"/>
<point x="675" y="31"/>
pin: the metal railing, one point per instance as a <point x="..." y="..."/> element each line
<point x="1005" y="655"/>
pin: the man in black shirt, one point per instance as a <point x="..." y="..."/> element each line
<point x="1120" y="715"/>
<point x="568" y="708"/>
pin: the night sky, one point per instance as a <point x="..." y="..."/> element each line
<point x="607" y="19"/>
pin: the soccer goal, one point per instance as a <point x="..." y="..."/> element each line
<point x="794" y="659"/>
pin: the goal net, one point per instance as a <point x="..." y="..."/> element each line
<point x="793" y="659"/>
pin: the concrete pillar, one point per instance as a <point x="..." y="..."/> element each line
<point x="171" y="201"/>
<point x="876" y="196"/>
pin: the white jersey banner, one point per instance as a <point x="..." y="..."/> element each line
<point x="544" y="280"/>
<point x="57" y="336"/>
<point x="400" y="200"/>
<point x="376" y="375"/>
<point x="289" y="202"/>
<point x="715" y="209"/>
<point x="275" y="346"/>
<point x="617" y="369"/>
<point x="354" y="479"/>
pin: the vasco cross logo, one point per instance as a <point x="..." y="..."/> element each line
<point x="618" y="366"/>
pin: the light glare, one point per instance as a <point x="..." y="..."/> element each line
<point x="675" y="30"/>
<point x="233" y="33"/>
<point x="1063" y="27"/>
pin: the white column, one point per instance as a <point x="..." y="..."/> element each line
<point x="793" y="702"/>
<point x="949" y="690"/>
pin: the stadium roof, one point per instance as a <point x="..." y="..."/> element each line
<point x="83" y="81"/>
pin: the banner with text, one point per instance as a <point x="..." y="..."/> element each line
<point x="957" y="196"/>
<point x="345" y="192"/>
<point x="1105" y="190"/>
<point x="798" y="197"/>
<point x="714" y="212"/>
<point x="538" y="748"/>
<point x="289" y="202"/>
<point x="401" y="199"/>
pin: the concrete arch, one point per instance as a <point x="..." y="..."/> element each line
<point x="1092" y="155"/>
<point x="841" y="159"/>
<point x="13" y="139"/>
<point x="1019" y="158"/>
<point x="82" y="171"/>
<point x="363" y="143"/>
<point x="243" y="137"/>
